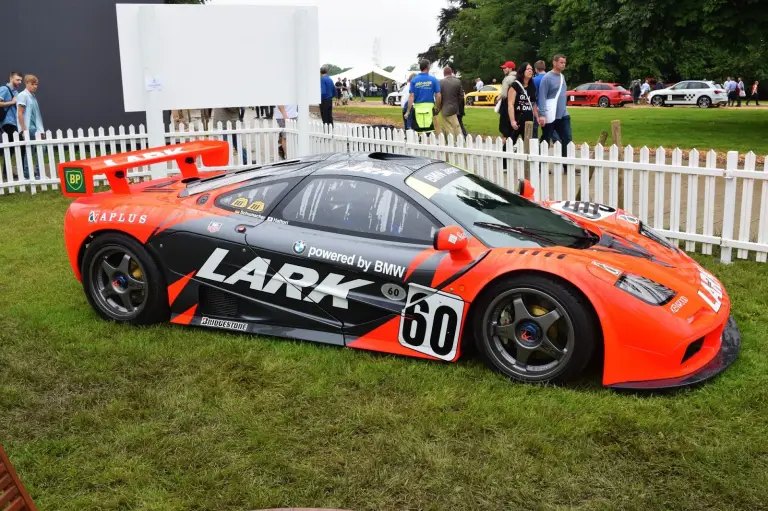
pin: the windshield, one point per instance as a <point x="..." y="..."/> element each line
<point x="470" y="199"/>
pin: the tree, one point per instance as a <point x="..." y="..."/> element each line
<point x="333" y="69"/>
<point x="414" y="67"/>
<point x="389" y="69"/>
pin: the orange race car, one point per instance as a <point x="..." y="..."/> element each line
<point x="397" y="254"/>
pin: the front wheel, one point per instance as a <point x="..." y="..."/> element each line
<point x="535" y="329"/>
<point x="657" y="101"/>
<point x="122" y="282"/>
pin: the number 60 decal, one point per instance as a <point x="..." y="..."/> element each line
<point x="431" y="322"/>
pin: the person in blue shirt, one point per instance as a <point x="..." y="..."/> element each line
<point x="424" y="100"/>
<point x="327" y="93"/>
<point x="8" y="95"/>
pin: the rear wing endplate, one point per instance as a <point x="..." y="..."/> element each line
<point x="77" y="176"/>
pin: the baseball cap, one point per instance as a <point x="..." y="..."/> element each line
<point x="508" y="64"/>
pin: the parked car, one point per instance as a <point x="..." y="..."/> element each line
<point x="395" y="97"/>
<point x="702" y="93"/>
<point x="398" y="254"/>
<point x="485" y="96"/>
<point x="601" y="94"/>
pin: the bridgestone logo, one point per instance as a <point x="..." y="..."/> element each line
<point x="222" y="323"/>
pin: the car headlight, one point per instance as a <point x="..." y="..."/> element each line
<point x="645" y="289"/>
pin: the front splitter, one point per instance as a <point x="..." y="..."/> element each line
<point x="730" y="346"/>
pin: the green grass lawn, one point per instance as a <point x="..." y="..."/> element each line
<point x="100" y="416"/>
<point x="722" y="129"/>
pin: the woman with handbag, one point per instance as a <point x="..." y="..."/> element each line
<point x="521" y="106"/>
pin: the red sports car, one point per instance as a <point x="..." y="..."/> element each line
<point x="601" y="94"/>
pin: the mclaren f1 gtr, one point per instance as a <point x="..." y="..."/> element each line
<point x="397" y="254"/>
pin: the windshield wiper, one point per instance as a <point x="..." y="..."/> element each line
<point x="535" y="233"/>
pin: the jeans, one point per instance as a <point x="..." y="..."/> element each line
<point x="326" y="111"/>
<point x="33" y="149"/>
<point x="407" y="121"/>
<point x="561" y="128"/>
<point x="244" y="152"/>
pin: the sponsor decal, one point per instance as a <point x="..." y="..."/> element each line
<point x="628" y="218"/>
<point x="224" y="323"/>
<point x="453" y="238"/>
<point x="144" y="156"/>
<point x="372" y="168"/>
<point x="393" y="292"/>
<point x="299" y="247"/>
<point x="257" y="206"/>
<point x="385" y="268"/>
<point x="120" y="218"/>
<point x="712" y="291"/>
<point x="74" y="181"/>
<point x="675" y="307"/>
<point x="613" y="271"/>
<point x="214" y="227"/>
<point x="590" y="210"/>
<point x="293" y="279"/>
<point x="436" y="176"/>
<point x="242" y="202"/>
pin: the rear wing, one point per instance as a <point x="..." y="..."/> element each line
<point x="77" y="176"/>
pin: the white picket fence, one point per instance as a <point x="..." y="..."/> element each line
<point x="687" y="197"/>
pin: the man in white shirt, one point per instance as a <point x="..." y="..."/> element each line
<point x="478" y="84"/>
<point x="30" y="120"/>
<point x="282" y="113"/>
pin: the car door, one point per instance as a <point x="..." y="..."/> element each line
<point x="694" y="92"/>
<point x="580" y="95"/>
<point x="348" y="245"/>
<point x="677" y="94"/>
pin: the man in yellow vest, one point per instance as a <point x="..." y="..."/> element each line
<point x="424" y="100"/>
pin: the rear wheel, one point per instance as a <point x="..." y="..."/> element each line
<point x="657" y="101"/>
<point x="122" y="281"/>
<point x="604" y="102"/>
<point x="535" y="329"/>
<point x="704" y="102"/>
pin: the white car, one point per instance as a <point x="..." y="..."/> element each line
<point x="394" y="98"/>
<point x="701" y="93"/>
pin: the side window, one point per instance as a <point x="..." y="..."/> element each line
<point x="255" y="200"/>
<point x="359" y="207"/>
<point x="582" y="87"/>
<point x="698" y="85"/>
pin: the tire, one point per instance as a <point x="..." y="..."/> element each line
<point x="470" y="101"/>
<point x="604" y="102"/>
<point x="391" y="101"/>
<point x="704" y="102"/>
<point x="657" y="101"/>
<point x="574" y="332"/>
<point x="113" y="283"/>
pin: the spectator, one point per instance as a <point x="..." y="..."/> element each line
<point x="327" y="91"/>
<point x="635" y="88"/>
<point x="551" y="100"/>
<point x="222" y="115"/>
<point x="29" y="118"/>
<point x="424" y="99"/>
<point x="407" y="115"/>
<point x="510" y="75"/>
<point x="541" y="70"/>
<point x="338" y="91"/>
<point x="8" y="97"/>
<point x="741" y="92"/>
<point x="282" y="113"/>
<point x="384" y="92"/>
<point x="754" y="96"/>
<point x="479" y="84"/>
<point x="520" y="104"/>
<point x="731" y="86"/>
<point x="452" y="95"/>
<point x="645" y="88"/>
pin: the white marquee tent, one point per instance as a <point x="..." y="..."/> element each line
<point x="370" y="72"/>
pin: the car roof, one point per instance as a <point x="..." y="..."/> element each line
<point x="389" y="168"/>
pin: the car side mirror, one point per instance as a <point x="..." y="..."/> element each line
<point x="451" y="238"/>
<point x="525" y="189"/>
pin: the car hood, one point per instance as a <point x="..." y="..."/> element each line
<point x="629" y="246"/>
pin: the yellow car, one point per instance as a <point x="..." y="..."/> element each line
<point x="485" y="96"/>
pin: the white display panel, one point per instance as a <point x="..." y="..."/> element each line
<point x="212" y="56"/>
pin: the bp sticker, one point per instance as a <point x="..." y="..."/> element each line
<point x="74" y="181"/>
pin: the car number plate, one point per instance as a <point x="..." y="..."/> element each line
<point x="573" y="98"/>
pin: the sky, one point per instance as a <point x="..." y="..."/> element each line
<point x="348" y="29"/>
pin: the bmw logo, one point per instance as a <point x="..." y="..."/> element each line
<point x="299" y="247"/>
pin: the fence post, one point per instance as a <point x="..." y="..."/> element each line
<point x="729" y="207"/>
<point x="533" y="150"/>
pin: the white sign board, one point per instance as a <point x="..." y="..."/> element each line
<point x="216" y="56"/>
<point x="211" y="56"/>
